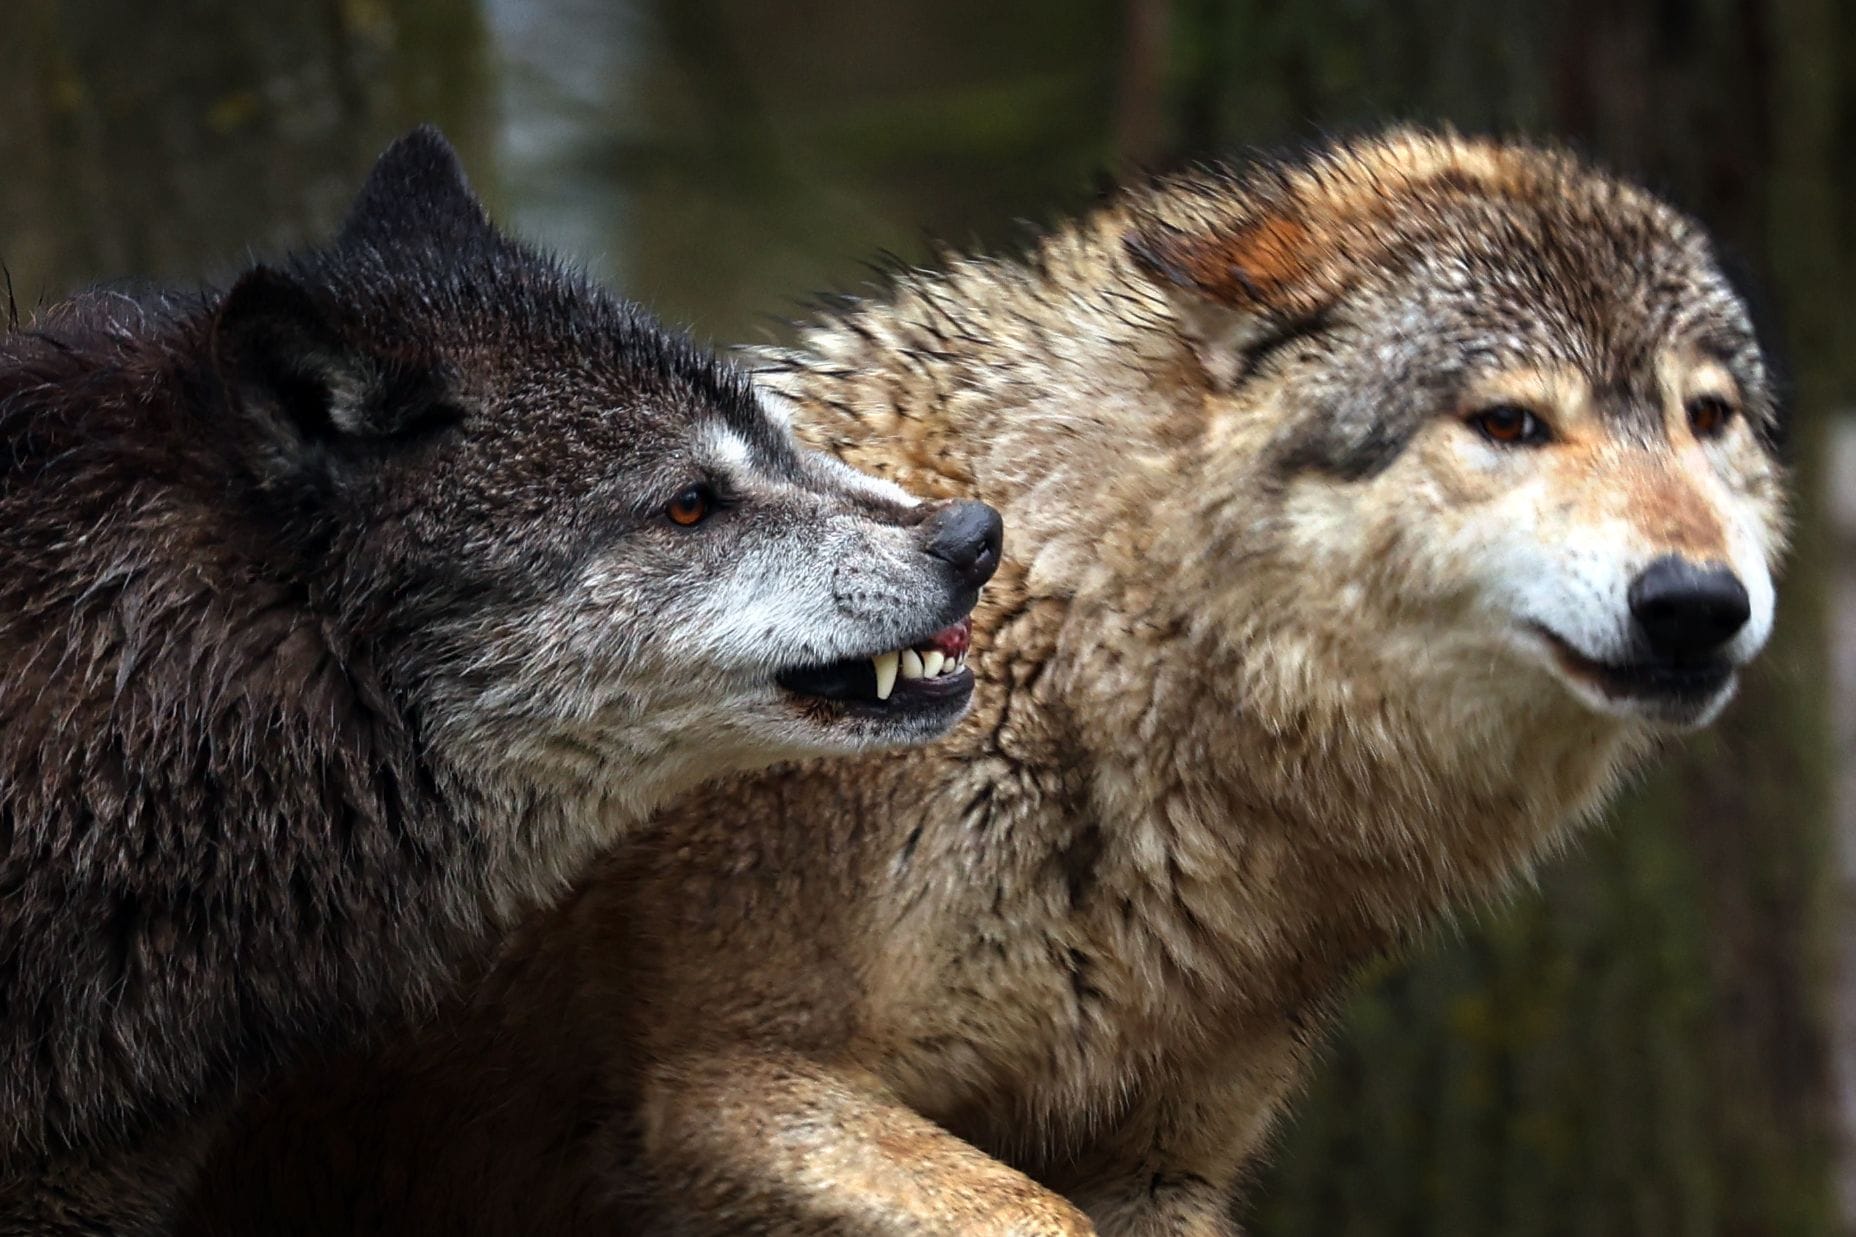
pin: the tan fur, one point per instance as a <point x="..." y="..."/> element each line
<point x="1239" y="729"/>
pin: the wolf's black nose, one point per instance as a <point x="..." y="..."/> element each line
<point x="1686" y="611"/>
<point x="966" y="535"/>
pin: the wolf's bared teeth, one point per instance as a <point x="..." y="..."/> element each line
<point x="911" y="664"/>
<point x="886" y="666"/>
<point x="932" y="662"/>
<point x="950" y="666"/>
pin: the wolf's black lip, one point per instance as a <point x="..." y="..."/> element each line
<point x="854" y="684"/>
<point x="841" y="680"/>
<point x="1647" y="679"/>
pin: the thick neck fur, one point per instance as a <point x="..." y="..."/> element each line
<point x="1266" y="791"/>
<point x="199" y="760"/>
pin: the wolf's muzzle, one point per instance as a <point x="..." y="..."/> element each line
<point x="1687" y="612"/>
<point x="967" y="536"/>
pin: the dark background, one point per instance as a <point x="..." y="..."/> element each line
<point x="1653" y="1042"/>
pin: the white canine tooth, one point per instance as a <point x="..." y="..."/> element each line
<point x="932" y="661"/>
<point x="886" y="665"/>
<point x="911" y="664"/>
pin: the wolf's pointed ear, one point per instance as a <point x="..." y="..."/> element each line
<point x="416" y="192"/>
<point x="1237" y="285"/>
<point x="302" y="391"/>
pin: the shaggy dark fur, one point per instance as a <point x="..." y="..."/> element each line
<point x="241" y="538"/>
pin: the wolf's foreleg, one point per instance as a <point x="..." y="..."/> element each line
<point x="1154" y="1195"/>
<point x="1173" y="1166"/>
<point x="784" y="1145"/>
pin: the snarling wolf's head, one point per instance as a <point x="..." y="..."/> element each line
<point x="1515" y="419"/>
<point x="577" y="543"/>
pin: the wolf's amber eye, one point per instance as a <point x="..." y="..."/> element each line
<point x="691" y="507"/>
<point x="1510" y="425"/>
<point x="1708" y="415"/>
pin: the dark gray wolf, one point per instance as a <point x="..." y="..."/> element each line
<point x="343" y="614"/>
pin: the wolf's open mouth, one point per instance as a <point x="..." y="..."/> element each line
<point x="1649" y="678"/>
<point x="934" y="669"/>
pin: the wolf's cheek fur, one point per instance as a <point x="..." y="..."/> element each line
<point x="1410" y="548"/>
<point x="795" y="577"/>
<point x="1753" y="499"/>
<point x="769" y="612"/>
<point x="1459" y="557"/>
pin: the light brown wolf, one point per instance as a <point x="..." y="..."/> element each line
<point x="1372" y="515"/>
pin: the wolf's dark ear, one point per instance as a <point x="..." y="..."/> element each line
<point x="303" y="391"/>
<point x="416" y="192"/>
<point x="1236" y="284"/>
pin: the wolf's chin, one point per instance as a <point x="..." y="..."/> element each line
<point x="915" y="714"/>
<point x="1675" y="696"/>
<point x="1675" y="712"/>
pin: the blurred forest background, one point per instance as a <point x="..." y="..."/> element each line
<point x="1662" y="1038"/>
